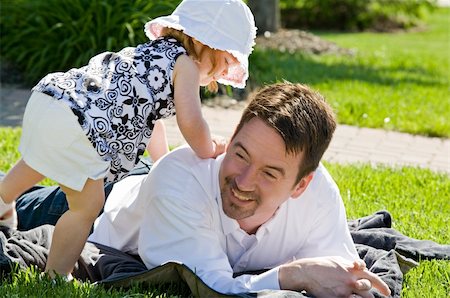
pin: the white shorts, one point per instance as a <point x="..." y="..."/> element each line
<point x="54" y="144"/>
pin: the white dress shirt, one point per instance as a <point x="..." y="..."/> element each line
<point x="175" y="214"/>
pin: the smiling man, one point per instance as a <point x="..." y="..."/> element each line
<point x="267" y="203"/>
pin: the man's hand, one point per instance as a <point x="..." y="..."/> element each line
<point x="330" y="277"/>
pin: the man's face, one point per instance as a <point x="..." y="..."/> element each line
<point x="257" y="175"/>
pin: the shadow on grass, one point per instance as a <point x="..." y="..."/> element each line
<point x="270" y="66"/>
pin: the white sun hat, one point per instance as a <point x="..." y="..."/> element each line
<point x="226" y="25"/>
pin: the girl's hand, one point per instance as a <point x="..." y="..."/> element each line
<point x="220" y="145"/>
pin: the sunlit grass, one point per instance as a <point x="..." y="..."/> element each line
<point x="397" y="81"/>
<point x="32" y="283"/>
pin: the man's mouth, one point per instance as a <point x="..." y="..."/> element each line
<point x="240" y="196"/>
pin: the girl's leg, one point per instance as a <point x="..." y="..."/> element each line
<point x="72" y="229"/>
<point x="19" y="179"/>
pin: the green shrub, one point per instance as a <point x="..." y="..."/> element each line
<point x="42" y="36"/>
<point x="379" y="15"/>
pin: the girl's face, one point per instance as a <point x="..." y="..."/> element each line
<point x="214" y="65"/>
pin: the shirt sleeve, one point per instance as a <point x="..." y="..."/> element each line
<point x="183" y="231"/>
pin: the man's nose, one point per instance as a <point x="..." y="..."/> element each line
<point x="246" y="180"/>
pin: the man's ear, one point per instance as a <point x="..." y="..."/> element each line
<point x="302" y="185"/>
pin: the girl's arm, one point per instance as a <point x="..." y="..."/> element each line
<point x="158" y="146"/>
<point x="190" y="120"/>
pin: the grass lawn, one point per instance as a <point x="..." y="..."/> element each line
<point x="418" y="200"/>
<point x="396" y="81"/>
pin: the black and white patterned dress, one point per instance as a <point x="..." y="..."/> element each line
<point x="118" y="97"/>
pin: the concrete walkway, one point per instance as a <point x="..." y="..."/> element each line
<point x="350" y="144"/>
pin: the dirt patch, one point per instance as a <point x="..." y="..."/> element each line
<point x="294" y="40"/>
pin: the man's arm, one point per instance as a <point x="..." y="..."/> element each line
<point x="183" y="231"/>
<point x="330" y="277"/>
<point x="328" y="264"/>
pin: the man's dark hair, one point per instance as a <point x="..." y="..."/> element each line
<point x="300" y="115"/>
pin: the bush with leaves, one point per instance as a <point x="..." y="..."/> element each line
<point x="42" y="36"/>
<point x="380" y="15"/>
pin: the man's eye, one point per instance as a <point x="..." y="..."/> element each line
<point x="270" y="175"/>
<point x="242" y="157"/>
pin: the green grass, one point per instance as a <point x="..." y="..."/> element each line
<point x="31" y="283"/>
<point x="396" y="81"/>
<point x="418" y="200"/>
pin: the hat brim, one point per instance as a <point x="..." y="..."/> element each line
<point x="237" y="75"/>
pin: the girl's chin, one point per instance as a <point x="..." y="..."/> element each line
<point x="206" y="82"/>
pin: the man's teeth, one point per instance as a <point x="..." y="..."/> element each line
<point x="242" y="198"/>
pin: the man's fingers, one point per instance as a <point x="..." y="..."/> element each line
<point x="362" y="288"/>
<point x="374" y="279"/>
<point x="363" y="285"/>
<point x="359" y="265"/>
<point x="366" y="280"/>
<point x="362" y="294"/>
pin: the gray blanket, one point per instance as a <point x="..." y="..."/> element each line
<point x="386" y="252"/>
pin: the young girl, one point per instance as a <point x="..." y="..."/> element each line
<point x="93" y="123"/>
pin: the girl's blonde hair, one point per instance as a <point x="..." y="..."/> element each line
<point x="188" y="44"/>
